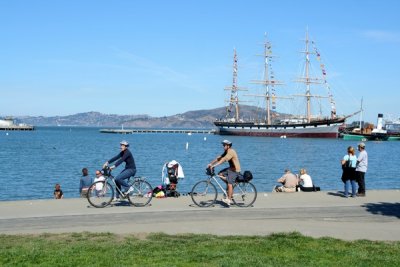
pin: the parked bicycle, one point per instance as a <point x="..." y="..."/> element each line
<point x="101" y="193"/>
<point x="204" y="193"/>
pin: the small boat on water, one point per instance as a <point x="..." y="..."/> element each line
<point x="380" y="133"/>
<point x="393" y="129"/>
<point x="8" y="124"/>
<point x="307" y="125"/>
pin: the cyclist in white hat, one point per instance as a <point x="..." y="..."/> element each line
<point x="228" y="175"/>
<point x="130" y="167"/>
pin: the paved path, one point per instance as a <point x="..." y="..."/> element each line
<point x="316" y="214"/>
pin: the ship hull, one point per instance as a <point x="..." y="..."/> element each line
<point x="322" y="129"/>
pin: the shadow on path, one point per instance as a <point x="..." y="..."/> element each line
<point x="384" y="208"/>
<point x="336" y="194"/>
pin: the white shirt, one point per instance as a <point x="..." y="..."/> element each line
<point x="307" y="182"/>
<point x="99" y="186"/>
<point x="362" y="161"/>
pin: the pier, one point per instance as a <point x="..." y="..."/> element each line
<point x="7" y="124"/>
<point x="132" y="131"/>
<point x="17" y="128"/>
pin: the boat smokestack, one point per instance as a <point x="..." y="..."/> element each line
<point x="380" y="122"/>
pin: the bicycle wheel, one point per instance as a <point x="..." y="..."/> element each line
<point x="100" y="194"/>
<point x="244" y="194"/>
<point x="204" y="193"/>
<point x="142" y="193"/>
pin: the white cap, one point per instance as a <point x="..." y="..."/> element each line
<point x="125" y="143"/>
<point x="226" y="142"/>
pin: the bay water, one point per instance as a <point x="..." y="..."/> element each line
<point x="33" y="162"/>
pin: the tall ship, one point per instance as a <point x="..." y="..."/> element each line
<point x="273" y="124"/>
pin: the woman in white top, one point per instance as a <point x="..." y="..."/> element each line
<point x="305" y="181"/>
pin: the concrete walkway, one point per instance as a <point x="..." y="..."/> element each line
<point x="316" y="214"/>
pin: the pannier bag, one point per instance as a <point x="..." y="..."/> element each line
<point x="248" y="176"/>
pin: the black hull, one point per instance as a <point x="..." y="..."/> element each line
<point x="315" y="129"/>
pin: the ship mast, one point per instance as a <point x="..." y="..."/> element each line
<point x="306" y="79"/>
<point x="234" y="97"/>
<point x="268" y="82"/>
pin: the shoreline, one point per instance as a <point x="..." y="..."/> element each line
<point x="333" y="191"/>
<point x="337" y="192"/>
<point x="315" y="214"/>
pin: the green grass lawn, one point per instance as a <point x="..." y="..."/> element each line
<point x="105" y="249"/>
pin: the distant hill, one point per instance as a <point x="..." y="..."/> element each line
<point x="190" y="119"/>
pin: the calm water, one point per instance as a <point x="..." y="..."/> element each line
<point x="33" y="162"/>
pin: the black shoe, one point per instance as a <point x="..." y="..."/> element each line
<point x="361" y="194"/>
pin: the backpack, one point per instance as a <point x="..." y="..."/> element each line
<point x="171" y="175"/>
<point x="158" y="189"/>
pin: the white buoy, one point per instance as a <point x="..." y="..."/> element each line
<point x="187" y="145"/>
<point x="6" y="133"/>
<point x="189" y="133"/>
<point x="205" y="138"/>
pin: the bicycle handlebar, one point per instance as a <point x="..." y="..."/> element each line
<point x="107" y="171"/>
<point x="210" y="171"/>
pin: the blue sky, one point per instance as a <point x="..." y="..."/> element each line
<point x="167" y="57"/>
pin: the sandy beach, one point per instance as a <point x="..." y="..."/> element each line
<point x="315" y="214"/>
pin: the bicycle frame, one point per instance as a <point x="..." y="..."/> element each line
<point x="213" y="177"/>
<point x="130" y="182"/>
<point x="139" y="193"/>
<point x="205" y="192"/>
<point x="114" y="184"/>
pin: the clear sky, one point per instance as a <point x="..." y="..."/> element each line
<point x="167" y="57"/>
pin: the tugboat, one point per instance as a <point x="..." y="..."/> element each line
<point x="369" y="134"/>
<point x="393" y="129"/>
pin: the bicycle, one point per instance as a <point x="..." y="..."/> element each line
<point x="101" y="193"/>
<point x="204" y="193"/>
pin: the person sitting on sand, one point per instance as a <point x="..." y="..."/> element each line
<point x="288" y="181"/>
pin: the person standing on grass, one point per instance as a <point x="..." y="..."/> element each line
<point x="228" y="175"/>
<point x="361" y="169"/>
